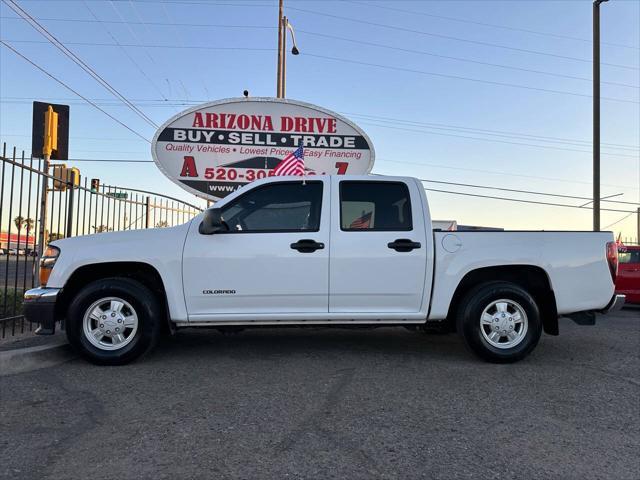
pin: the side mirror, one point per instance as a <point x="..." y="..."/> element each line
<point x="212" y="222"/>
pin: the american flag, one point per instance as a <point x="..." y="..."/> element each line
<point x="292" y="164"/>
<point x="363" y="221"/>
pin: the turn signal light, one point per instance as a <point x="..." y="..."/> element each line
<point x="47" y="262"/>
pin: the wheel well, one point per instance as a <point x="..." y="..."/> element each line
<point x="531" y="278"/>
<point x="142" y="272"/>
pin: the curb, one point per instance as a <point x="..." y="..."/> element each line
<point x="21" y="360"/>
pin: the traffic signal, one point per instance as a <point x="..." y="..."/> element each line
<point x="95" y="185"/>
<point x="64" y="177"/>
<point x="50" y="131"/>
<point x="73" y="176"/>
<point x="59" y="177"/>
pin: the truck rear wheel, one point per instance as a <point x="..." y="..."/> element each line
<point x="499" y="322"/>
<point x="113" y="321"/>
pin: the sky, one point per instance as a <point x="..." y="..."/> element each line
<point x="490" y="93"/>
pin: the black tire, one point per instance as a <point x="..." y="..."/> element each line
<point x="469" y="324"/>
<point x="147" y="308"/>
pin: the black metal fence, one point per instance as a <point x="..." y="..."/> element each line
<point x="31" y="218"/>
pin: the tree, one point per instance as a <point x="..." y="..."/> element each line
<point x="28" y="224"/>
<point x="19" y="220"/>
<point x="102" y="228"/>
<point x="55" y="236"/>
<point x="162" y="224"/>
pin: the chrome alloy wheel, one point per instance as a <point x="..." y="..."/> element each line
<point x="504" y="323"/>
<point x="110" y="323"/>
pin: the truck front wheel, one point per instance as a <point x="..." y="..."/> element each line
<point x="499" y="322"/>
<point x="113" y="321"/>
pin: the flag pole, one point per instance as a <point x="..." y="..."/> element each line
<point x="304" y="170"/>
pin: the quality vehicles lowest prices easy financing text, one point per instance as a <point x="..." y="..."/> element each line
<point x="333" y="251"/>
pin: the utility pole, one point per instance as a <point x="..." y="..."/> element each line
<point x="596" y="114"/>
<point x="279" y="92"/>
<point x="638" y="233"/>
<point x="283" y="26"/>
<point x="283" y="86"/>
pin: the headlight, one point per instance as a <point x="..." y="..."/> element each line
<point x="48" y="260"/>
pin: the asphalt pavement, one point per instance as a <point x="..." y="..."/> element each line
<point x="332" y="403"/>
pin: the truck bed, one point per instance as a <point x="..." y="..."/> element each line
<point x="575" y="263"/>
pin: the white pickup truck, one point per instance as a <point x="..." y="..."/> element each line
<point x="331" y="250"/>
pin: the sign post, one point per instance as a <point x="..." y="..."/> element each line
<point x="72" y="187"/>
<point x="213" y="149"/>
<point x="50" y="141"/>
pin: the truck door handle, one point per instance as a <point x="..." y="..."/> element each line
<point x="307" y="246"/>
<point x="403" y="245"/>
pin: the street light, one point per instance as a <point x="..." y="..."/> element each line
<point x="294" y="49"/>
<point x="596" y="114"/>
<point x="283" y="26"/>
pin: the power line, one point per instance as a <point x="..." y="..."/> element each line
<point x="467" y="60"/>
<point x="460" y="77"/>
<point x="119" y="139"/>
<point x="494" y="140"/>
<point x="458" y="39"/>
<point x="180" y="40"/>
<point x="122" y="21"/>
<point x="118" y="152"/>
<point x="504" y="173"/>
<point x="346" y="60"/>
<point x="618" y="221"/>
<point x="535" y="202"/>
<point x="267" y="5"/>
<point x="132" y="32"/>
<point x="344" y="39"/>
<point x="74" y="91"/>
<point x="124" y="50"/>
<point x="445" y="191"/>
<point x="382" y="25"/>
<point x="208" y="3"/>
<point x="77" y="60"/>
<point x="513" y="190"/>
<point x="462" y="129"/>
<point x="492" y="25"/>
<point x="188" y="47"/>
<point x="492" y="132"/>
<point x="434" y="125"/>
<point x="530" y="192"/>
<point x="365" y="120"/>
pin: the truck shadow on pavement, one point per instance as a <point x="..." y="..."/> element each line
<point x="583" y="345"/>
<point x="310" y="342"/>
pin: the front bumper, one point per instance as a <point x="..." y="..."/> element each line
<point x="39" y="307"/>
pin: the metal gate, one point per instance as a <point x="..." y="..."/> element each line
<point x="70" y="209"/>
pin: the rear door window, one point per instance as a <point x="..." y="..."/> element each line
<point x="375" y="206"/>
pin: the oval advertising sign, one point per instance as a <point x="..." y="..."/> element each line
<point x="213" y="149"/>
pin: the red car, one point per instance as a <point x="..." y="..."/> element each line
<point x="628" y="279"/>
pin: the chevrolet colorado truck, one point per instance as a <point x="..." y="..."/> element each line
<point x="325" y="250"/>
